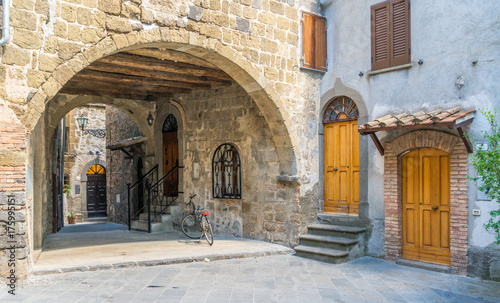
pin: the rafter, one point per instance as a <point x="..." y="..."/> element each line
<point x="167" y="54"/>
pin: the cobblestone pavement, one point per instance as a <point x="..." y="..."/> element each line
<point x="285" y="278"/>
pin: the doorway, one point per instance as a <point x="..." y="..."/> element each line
<point x="170" y="156"/>
<point x="96" y="191"/>
<point x="426" y="205"/>
<point x="341" y="157"/>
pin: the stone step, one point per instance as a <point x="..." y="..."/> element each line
<point x="144" y="216"/>
<point x="343" y="220"/>
<point x="322" y="254"/>
<point x="350" y="232"/>
<point x="337" y="243"/>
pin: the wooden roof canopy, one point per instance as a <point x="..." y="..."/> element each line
<point x="453" y="118"/>
<point x="146" y="74"/>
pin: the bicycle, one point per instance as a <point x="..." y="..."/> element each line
<point x="196" y="224"/>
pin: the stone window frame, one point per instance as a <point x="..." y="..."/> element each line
<point x="236" y="178"/>
<point x="458" y="192"/>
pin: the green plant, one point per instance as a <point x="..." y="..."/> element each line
<point x="72" y="214"/>
<point x="67" y="190"/>
<point x="487" y="164"/>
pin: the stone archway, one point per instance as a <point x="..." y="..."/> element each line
<point x="209" y="49"/>
<point x="458" y="192"/>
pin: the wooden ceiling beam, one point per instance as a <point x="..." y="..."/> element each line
<point x="167" y="54"/>
<point x="89" y="92"/>
<point x="124" y="88"/>
<point x="90" y="75"/>
<point x="141" y="62"/>
<point x="157" y="74"/>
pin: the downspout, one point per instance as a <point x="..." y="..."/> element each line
<point x="5" y="22"/>
<point x="61" y="211"/>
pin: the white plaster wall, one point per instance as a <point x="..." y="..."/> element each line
<point x="447" y="35"/>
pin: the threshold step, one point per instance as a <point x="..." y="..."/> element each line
<point x="337" y="228"/>
<point x="328" y="239"/>
<point x="321" y="251"/>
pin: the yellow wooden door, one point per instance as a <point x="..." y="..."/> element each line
<point x="170" y="160"/>
<point x="426" y="206"/>
<point x="341" y="150"/>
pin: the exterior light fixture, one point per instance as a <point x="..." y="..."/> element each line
<point x="150" y="119"/>
<point x="82" y="121"/>
<point x="420" y="62"/>
<point x="361" y="74"/>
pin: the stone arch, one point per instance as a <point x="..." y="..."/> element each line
<point x="458" y="190"/>
<point x="209" y="49"/>
<point x="83" y="175"/>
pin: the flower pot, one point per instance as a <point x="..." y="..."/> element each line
<point x="72" y="220"/>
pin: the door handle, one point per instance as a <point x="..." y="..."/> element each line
<point x="335" y="169"/>
<point x="434" y="208"/>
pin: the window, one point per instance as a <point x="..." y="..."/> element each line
<point x="226" y="173"/>
<point x="390" y="30"/>
<point x="313" y="42"/>
<point x="341" y="109"/>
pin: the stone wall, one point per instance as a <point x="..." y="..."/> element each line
<point x="120" y="169"/>
<point x="82" y="149"/>
<point x="267" y="209"/>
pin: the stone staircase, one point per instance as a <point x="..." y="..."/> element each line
<point x="162" y="224"/>
<point x="334" y="239"/>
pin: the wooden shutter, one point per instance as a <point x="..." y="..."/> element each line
<point x="314" y="41"/>
<point x="400" y="48"/>
<point x="390" y="31"/>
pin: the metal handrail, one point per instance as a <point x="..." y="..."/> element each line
<point x="133" y="186"/>
<point x="153" y="193"/>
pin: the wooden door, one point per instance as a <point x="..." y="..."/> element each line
<point x="426" y="206"/>
<point x="170" y="160"/>
<point x="96" y="196"/>
<point x="341" y="150"/>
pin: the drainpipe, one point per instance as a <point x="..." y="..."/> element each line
<point x="61" y="211"/>
<point x="5" y="22"/>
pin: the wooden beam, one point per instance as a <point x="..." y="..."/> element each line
<point x="168" y="54"/>
<point x="89" y="92"/>
<point x="141" y="62"/>
<point x="156" y="74"/>
<point x="87" y="75"/>
<point x="377" y="143"/>
<point x="467" y="143"/>
<point x="124" y="88"/>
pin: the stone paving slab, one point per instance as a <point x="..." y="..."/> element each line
<point x="90" y="247"/>
<point x="283" y="278"/>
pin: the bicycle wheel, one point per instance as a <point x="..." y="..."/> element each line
<point x="191" y="227"/>
<point x="207" y="230"/>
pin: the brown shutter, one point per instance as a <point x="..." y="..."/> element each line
<point x="380" y="31"/>
<point x="314" y="52"/>
<point x="307" y="40"/>
<point x="400" y="48"/>
<point x="320" y="43"/>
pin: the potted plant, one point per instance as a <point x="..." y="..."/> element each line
<point x="72" y="218"/>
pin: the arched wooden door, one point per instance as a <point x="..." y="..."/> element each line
<point x="341" y="157"/>
<point x="170" y="156"/>
<point x="426" y="206"/>
<point x="96" y="191"/>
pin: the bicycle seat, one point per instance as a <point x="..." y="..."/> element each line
<point x="200" y="208"/>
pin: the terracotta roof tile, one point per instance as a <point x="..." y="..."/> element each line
<point x="437" y="117"/>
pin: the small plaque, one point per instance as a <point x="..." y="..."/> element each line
<point x="77" y="189"/>
<point x="482" y="146"/>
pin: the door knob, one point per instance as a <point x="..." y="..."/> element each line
<point x="434" y="208"/>
<point x="335" y="169"/>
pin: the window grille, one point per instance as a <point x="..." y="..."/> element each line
<point x="226" y="173"/>
<point x="170" y="124"/>
<point x="341" y="109"/>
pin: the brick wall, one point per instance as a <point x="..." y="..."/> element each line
<point x="458" y="189"/>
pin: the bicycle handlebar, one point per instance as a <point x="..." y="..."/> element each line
<point x="190" y="199"/>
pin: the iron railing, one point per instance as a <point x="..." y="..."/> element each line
<point x="162" y="194"/>
<point x="136" y="194"/>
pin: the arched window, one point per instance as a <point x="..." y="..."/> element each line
<point x="170" y="124"/>
<point x="96" y="169"/>
<point x="341" y="109"/>
<point x="226" y="173"/>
